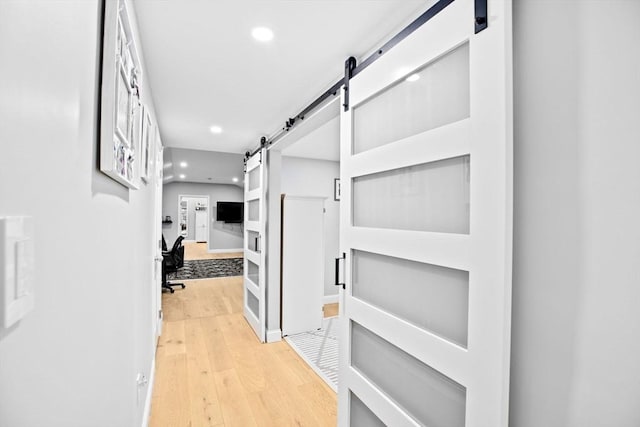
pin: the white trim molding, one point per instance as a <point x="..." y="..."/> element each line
<point x="224" y="251"/>
<point x="147" y="404"/>
<point x="274" y="335"/>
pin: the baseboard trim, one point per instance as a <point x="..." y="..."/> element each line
<point x="274" y="335"/>
<point x="330" y="299"/>
<point x="224" y="251"/>
<point x="147" y="404"/>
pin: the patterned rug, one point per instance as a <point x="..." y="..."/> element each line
<point x="209" y="268"/>
<point x="320" y="350"/>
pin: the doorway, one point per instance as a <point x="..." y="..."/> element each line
<point x="193" y="218"/>
<point x="308" y="177"/>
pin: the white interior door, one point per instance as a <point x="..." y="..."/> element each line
<point x="302" y="264"/>
<point x="254" y="232"/>
<point x="426" y="172"/>
<point x="201" y="225"/>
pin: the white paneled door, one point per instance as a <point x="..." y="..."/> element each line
<point x="254" y="232"/>
<point x="202" y="217"/>
<point x="426" y="213"/>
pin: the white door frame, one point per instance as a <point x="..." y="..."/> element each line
<point x="483" y="366"/>
<point x="198" y="196"/>
<point x="315" y="120"/>
<point x="158" y="259"/>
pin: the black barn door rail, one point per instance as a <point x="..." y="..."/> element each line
<point x="351" y="69"/>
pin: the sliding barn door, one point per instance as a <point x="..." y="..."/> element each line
<point x="426" y="212"/>
<point x="254" y="231"/>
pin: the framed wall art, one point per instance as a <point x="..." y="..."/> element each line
<point x="121" y="119"/>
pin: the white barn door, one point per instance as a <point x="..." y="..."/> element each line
<point x="254" y="232"/>
<point x="426" y="213"/>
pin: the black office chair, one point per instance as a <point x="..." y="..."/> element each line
<point x="172" y="261"/>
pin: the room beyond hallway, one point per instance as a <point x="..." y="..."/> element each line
<point x="211" y="369"/>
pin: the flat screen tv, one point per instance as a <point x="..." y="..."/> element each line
<point x="230" y="212"/>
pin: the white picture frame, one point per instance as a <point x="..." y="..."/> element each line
<point x="120" y="116"/>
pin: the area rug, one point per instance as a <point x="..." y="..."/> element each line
<point x="320" y="350"/>
<point x="209" y="268"/>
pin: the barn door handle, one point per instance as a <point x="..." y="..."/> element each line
<point x="337" y="282"/>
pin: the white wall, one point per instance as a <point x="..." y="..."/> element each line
<point x="309" y="177"/>
<point x="576" y="322"/>
<point x="73" y="361"/>
<point x="221" y="235"/>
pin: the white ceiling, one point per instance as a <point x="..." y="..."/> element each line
<point x="208" y="167"/>
<point x="205" y="69"/>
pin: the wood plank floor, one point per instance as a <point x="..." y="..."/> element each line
<point x="194" y="251"/>
<point x="330" y="310"/>
<point x="212" y="371"/>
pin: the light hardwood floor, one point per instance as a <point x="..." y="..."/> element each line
<point x="330" y="310"/>
<point x="212" y="371"/>
<point x="194" y="250"/>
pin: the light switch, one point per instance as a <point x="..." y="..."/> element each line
<point x="16" y="268"/>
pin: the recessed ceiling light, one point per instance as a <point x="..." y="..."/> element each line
<point x="262" y="34"/>
<point x="215" y="129"/>
<point x="413" y="78"/>
<point x="167" y="165"/>
<point x="168" y="177"/>
<point x="182" y="176"/>
<point x="234" y="179"/>
<point x="183" y="164"/>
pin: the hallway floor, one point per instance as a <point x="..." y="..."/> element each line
<point x="212" y="371"/>
<point x="195" y="250"/>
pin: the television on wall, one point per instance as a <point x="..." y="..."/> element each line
<point x="232" y="212"/>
